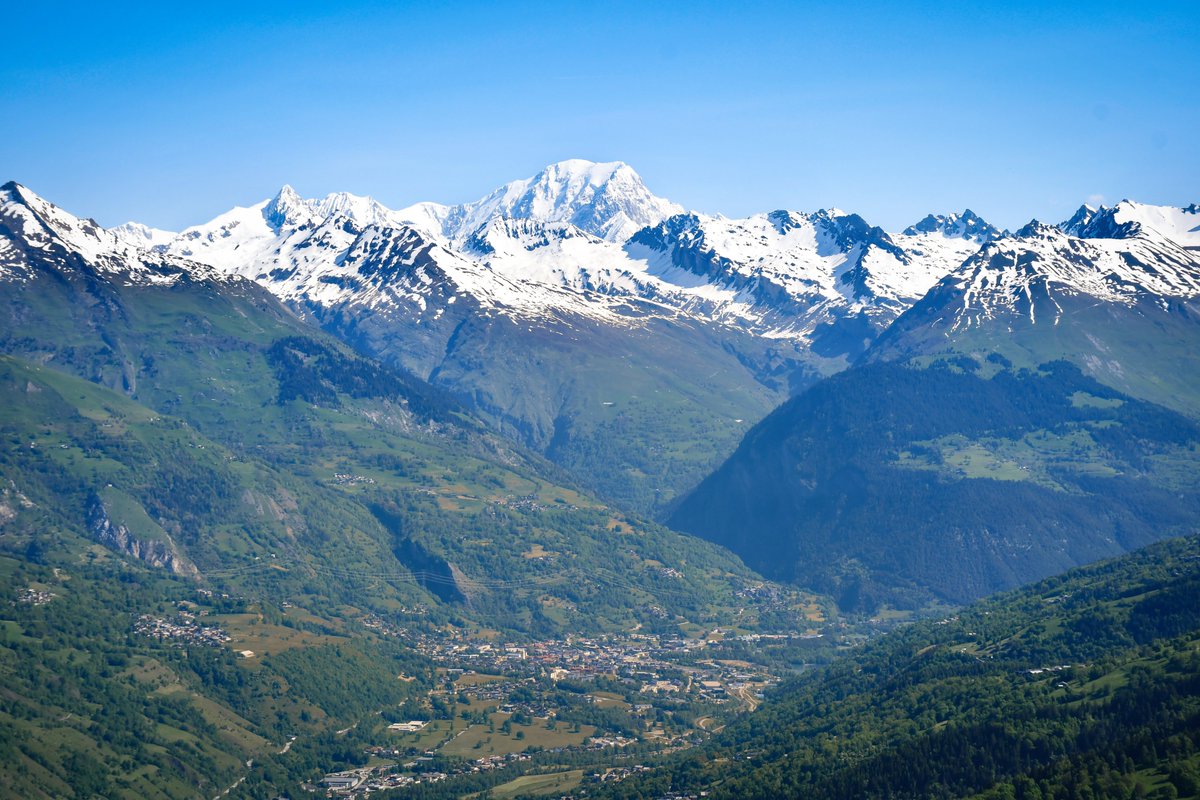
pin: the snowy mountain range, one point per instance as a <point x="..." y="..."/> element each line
<point x="1127" y="255"/>
<point x="1041" y="263"/>
<point x="588" y="239"/>
<point x="1180" y="225"/>
<point x="580" y="239"/>
<point x="1114" y="290"/>
<point x="537" y="301"/>
<point x="29" y="223"/>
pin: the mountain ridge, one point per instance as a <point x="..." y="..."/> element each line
<point x="1037" y="321"/>
<point x="1122" y="305"/>
<point x="730" y="316"/>
<point x="236" y="432"/>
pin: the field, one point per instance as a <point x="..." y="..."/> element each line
<point x="250" y="632"/>
<point x="526" y="785"/>
<point x="430" y="737"/>
<point x="484" y="740"/>
<point x="608" y="699"/>
<point x="476" y="679"/>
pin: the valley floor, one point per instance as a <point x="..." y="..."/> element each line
<point x="555" y="716"/>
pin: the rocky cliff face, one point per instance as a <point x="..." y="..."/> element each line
<point x="161" y="553"/>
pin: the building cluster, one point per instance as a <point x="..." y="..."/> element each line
<point x="617" y="774"/>
<point x="670" y="670"/>
<point x="572" y="657"/>
<point x="766" y="596"/>
<point x="670" y="665"/>
<point x="382" y="627"/>
<point x="605" y="742"/>
<point x="362" y="782"/>
<point x="1053" y="668"/>
<point x="528" y="502"/>
<point x="35" y="597"/>
<point x="181" y="630"/>
<point x="346" y="479"/>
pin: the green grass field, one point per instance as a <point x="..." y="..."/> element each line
<point x="477" y="741"/>
<point x="534" y="785"/>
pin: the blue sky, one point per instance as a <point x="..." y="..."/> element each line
<point x="169" y="116"/>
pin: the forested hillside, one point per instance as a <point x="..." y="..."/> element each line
<point x="949" y="479"/>
<point x="1083" y="685"/>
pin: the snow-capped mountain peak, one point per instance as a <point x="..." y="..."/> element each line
<point x="35" y="233"/>
<point x="1180" y="225"/>
<point x="1099" y="223"/>
<point x="428" y="217"/>
<point x="41" y="223"/>
<point x="1079" y="221"/>
<point x="363" y="210"/>
<point x="967" y="225"/>
<point x="844" y="232"/>
<point x="798" y="272"/>
<point x="510" y="235"/>
<point x="137" y="235"/>
<point x="1041" y="272"/>
<point x="608" y="200"/>
<point x="1127" y="219"/>
<point x="287" y="208"/>
<point x="1036" y="229"/>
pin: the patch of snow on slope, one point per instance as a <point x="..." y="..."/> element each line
<point x="1180" y="225"/>
<point x="137" y="235"/>
<point x="1042" y="265"/>
<point x="33" y="223"/>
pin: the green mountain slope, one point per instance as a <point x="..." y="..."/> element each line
<point x="112" y="514"/>
<point x="221" y="529"/>
<point x="1084" y="685"/>
<point x="637" y="412"/>
<point x="96" y="704"/>
<point x="1124" y="310"/>
<point x="899" y="484"/>
<point x="358" y="489"/>
<point x="1000" y="430"/>
<point x="289" y="444"/>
